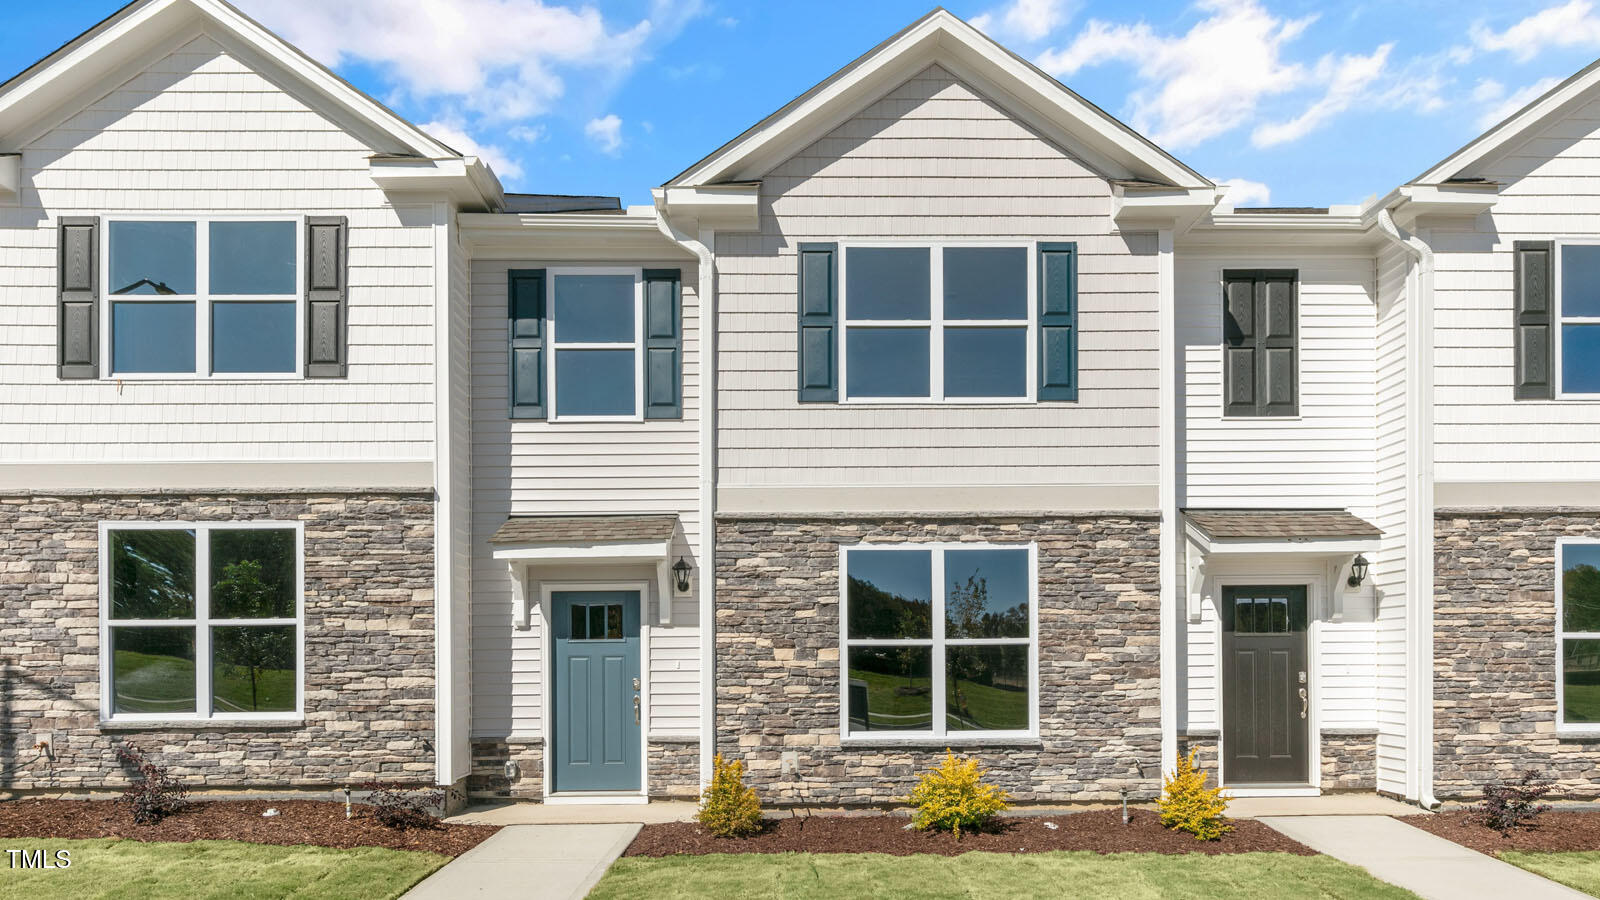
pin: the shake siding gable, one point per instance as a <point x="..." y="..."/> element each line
<point x="199" y="131"/>
<point x="935" y="160"/>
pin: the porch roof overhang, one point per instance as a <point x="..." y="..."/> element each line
<point x="1335" y="537"/>
<point x="525" y="541"/>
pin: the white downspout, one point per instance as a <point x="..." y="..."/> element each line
<point x="1419" y="512"/>
<point x="706" y="285"/>
<point x="1173" y="594"/>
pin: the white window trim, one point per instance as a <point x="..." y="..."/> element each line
<point x="201" y="622"/>
<point x="938" y="642"/>
<point x="203" y="299"/>
<point x="637" y="346"/>
<point x="1557" y="320"/>
<point x="937" y="322"/>
<point x="1588" y="728"/>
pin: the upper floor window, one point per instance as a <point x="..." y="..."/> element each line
<point x="200" y="620"/>
<point x="596" y="325"/>
<point x="937" y="323"/>
<point x="202" y="296"/>
<point x="1578" y="317"/>
<point x="1260" y="343"/>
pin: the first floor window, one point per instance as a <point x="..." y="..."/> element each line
<point x="595" y="330"/>
<point x="1578" y="632"/>
<point x="201" y="620"/>
<point x="939" y="640"/>
<point x="203" y="297"/>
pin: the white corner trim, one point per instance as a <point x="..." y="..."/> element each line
<point x="1172" y="591"/>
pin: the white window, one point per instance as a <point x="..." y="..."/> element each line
<point x="1578" y="634"/>
<point x="201" y="620"/>
<point x="202" y="297"/>
<point x="939" y="641"/>
<point x="596" y="328"/>
<point x="937" y="323"/>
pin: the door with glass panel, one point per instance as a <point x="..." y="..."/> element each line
<point x="595" y="691"/>
<point x="1266" y="694"/>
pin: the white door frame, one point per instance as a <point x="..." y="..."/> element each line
<point x="547" y="673"/>
<point x="1314" y="603"/>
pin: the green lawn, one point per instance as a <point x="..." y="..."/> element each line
<point x="211" y="870"/>
<point x="1577" y="869"/>
<point x="1128" y="876"/>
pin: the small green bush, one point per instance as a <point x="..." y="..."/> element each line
<point x="952" y="796"/>
<point x="1188" y="805"/>
<point x="729" y="809"/>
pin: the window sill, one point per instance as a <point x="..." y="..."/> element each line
<point x="1578" y="735"/>
<point x="937" y="743"/>
<point x="201" y="724"/>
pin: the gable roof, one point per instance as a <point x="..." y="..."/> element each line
<point x="99" y="59"/>
<point x="1105" y="144"/>
<point x="1515" y="127"/>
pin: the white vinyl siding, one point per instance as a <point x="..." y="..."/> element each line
<point x="529" y="467"/>
<point x="199" y="132"/>
<point x="933" y="160"/>
<point x="1389" y="571"/>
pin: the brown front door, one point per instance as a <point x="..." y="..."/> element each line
<point x="1265" y="692"/>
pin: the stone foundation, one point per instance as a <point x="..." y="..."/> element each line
<point x="1495" y="652"/>
<point x="1205" y="754"/>
<point x="369" y="627"/>
<point x="674" y="770"/>
<point x="777" y="646"/>
<point x="1349" y="761"/>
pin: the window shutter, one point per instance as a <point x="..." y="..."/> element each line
<point x="327" y="296"/>
<point x="663" y="344"/>
<point x="1534" y="335"/>
<point x="1260" y="343"/>
<point x="1058" y="322"/>
<point x="525" y="312"/>
<point x="78" y="297"/>
<point x="819" y="323"/>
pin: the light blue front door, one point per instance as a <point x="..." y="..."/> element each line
<point x="595" y="689"/>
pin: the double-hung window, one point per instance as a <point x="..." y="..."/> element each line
<point x="596" y="328"/>
<point x="1578" y="314"/>
<point x="202" y="297"/>
<point x="937" y="323"/>
<point x="1578" y="634"/>
<point x="939" y="640"/>
<point x="201" y="620"/>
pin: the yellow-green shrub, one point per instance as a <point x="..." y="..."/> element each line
<point x="952" y="796"/>
<point x="1188" y="805"/>
<point x="729" y="809"/>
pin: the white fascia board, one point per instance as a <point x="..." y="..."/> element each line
<point x="1461" y="200"/>
<point x="1332" y="547"/>
<point x="466" y="181"/>
<point x="1513" y="128"/>
<point x="650" y="551"/>
<point x="1291" y="231"/>
<point x="567" y="236"/>
<point x="1175" y="208"/>
<point x="723" y="207"/>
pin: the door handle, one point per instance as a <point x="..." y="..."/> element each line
<point x="636" y="709"/>
<point x="1304" y="703"/>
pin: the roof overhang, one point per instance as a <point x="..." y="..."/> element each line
<point x="10" y="176"/>
<point x="607" y="540"/>
<point x="1104" y="143"/>
<point x="466" y="181"/>
<point x="588" y="236"/>
<point x="1327" y="539"/>
<point x="1144" y="206"/>
<point x="1462" y="199"/>
<point x="720" y="207"/>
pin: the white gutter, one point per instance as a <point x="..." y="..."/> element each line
<point x="706" y="289"/>
<point x="1419" y="512"/>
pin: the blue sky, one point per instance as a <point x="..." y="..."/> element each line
<point x="1299" y="103"/>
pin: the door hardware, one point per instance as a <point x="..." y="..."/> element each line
<point x="1304" y="703"/>
<point x="636" y="709"/>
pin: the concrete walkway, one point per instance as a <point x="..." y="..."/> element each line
<point x="1429" y="866"/>
<point x="551" y="862"/>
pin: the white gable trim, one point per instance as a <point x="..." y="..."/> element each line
<point x="940" y="37"/>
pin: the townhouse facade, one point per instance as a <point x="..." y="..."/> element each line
<point x="937" y="409"/>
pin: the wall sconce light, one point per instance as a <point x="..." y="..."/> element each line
<point x="681" y="570"/>
<point x="1358" y="571"/>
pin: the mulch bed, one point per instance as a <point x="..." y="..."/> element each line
<point x="1101" y="831"/>
<point x="298" y="822"/>
<point x="1552" y="831"/>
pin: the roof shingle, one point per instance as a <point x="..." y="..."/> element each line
<point x="584" y="529"/>
<point x="1281" y="524"/>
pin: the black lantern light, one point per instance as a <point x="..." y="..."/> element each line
<point x="1358" y="571"/>
<point x="681" y="570"/>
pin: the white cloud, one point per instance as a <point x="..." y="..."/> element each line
<point x="1243" y="192"/>
<point x="1347" y="78"/>
<point x="1197" y="85"/>
<point x="1572" y="24"/>
<point x="1502" y="105"/>
<point x="1023" y="20"/>
<point x="606" y="132"/>
<point x="454" y="135"/>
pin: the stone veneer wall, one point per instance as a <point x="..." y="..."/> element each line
<point x="777" y="659"/>
<point x="1349" y="761"/>
<point x="1494" y="658"/>
<point x="674" y="769"/>
<point x="369" y="620"/>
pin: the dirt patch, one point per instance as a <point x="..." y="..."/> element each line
<point x="1101" y="831"/>
<point x="298" y="822"/>
<point x="1552" y="831"/>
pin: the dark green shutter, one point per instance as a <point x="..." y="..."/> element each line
<point x="819" y="323"/>
<point x="525" y="325"/>
<point x="327" y="296"/>
<point x="1058" y="321"/>
<point x="78" y="297"/>
<point x="663" y="344"/>
<point x="1260" y="342"/>
<point x="1535" y="338"/>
